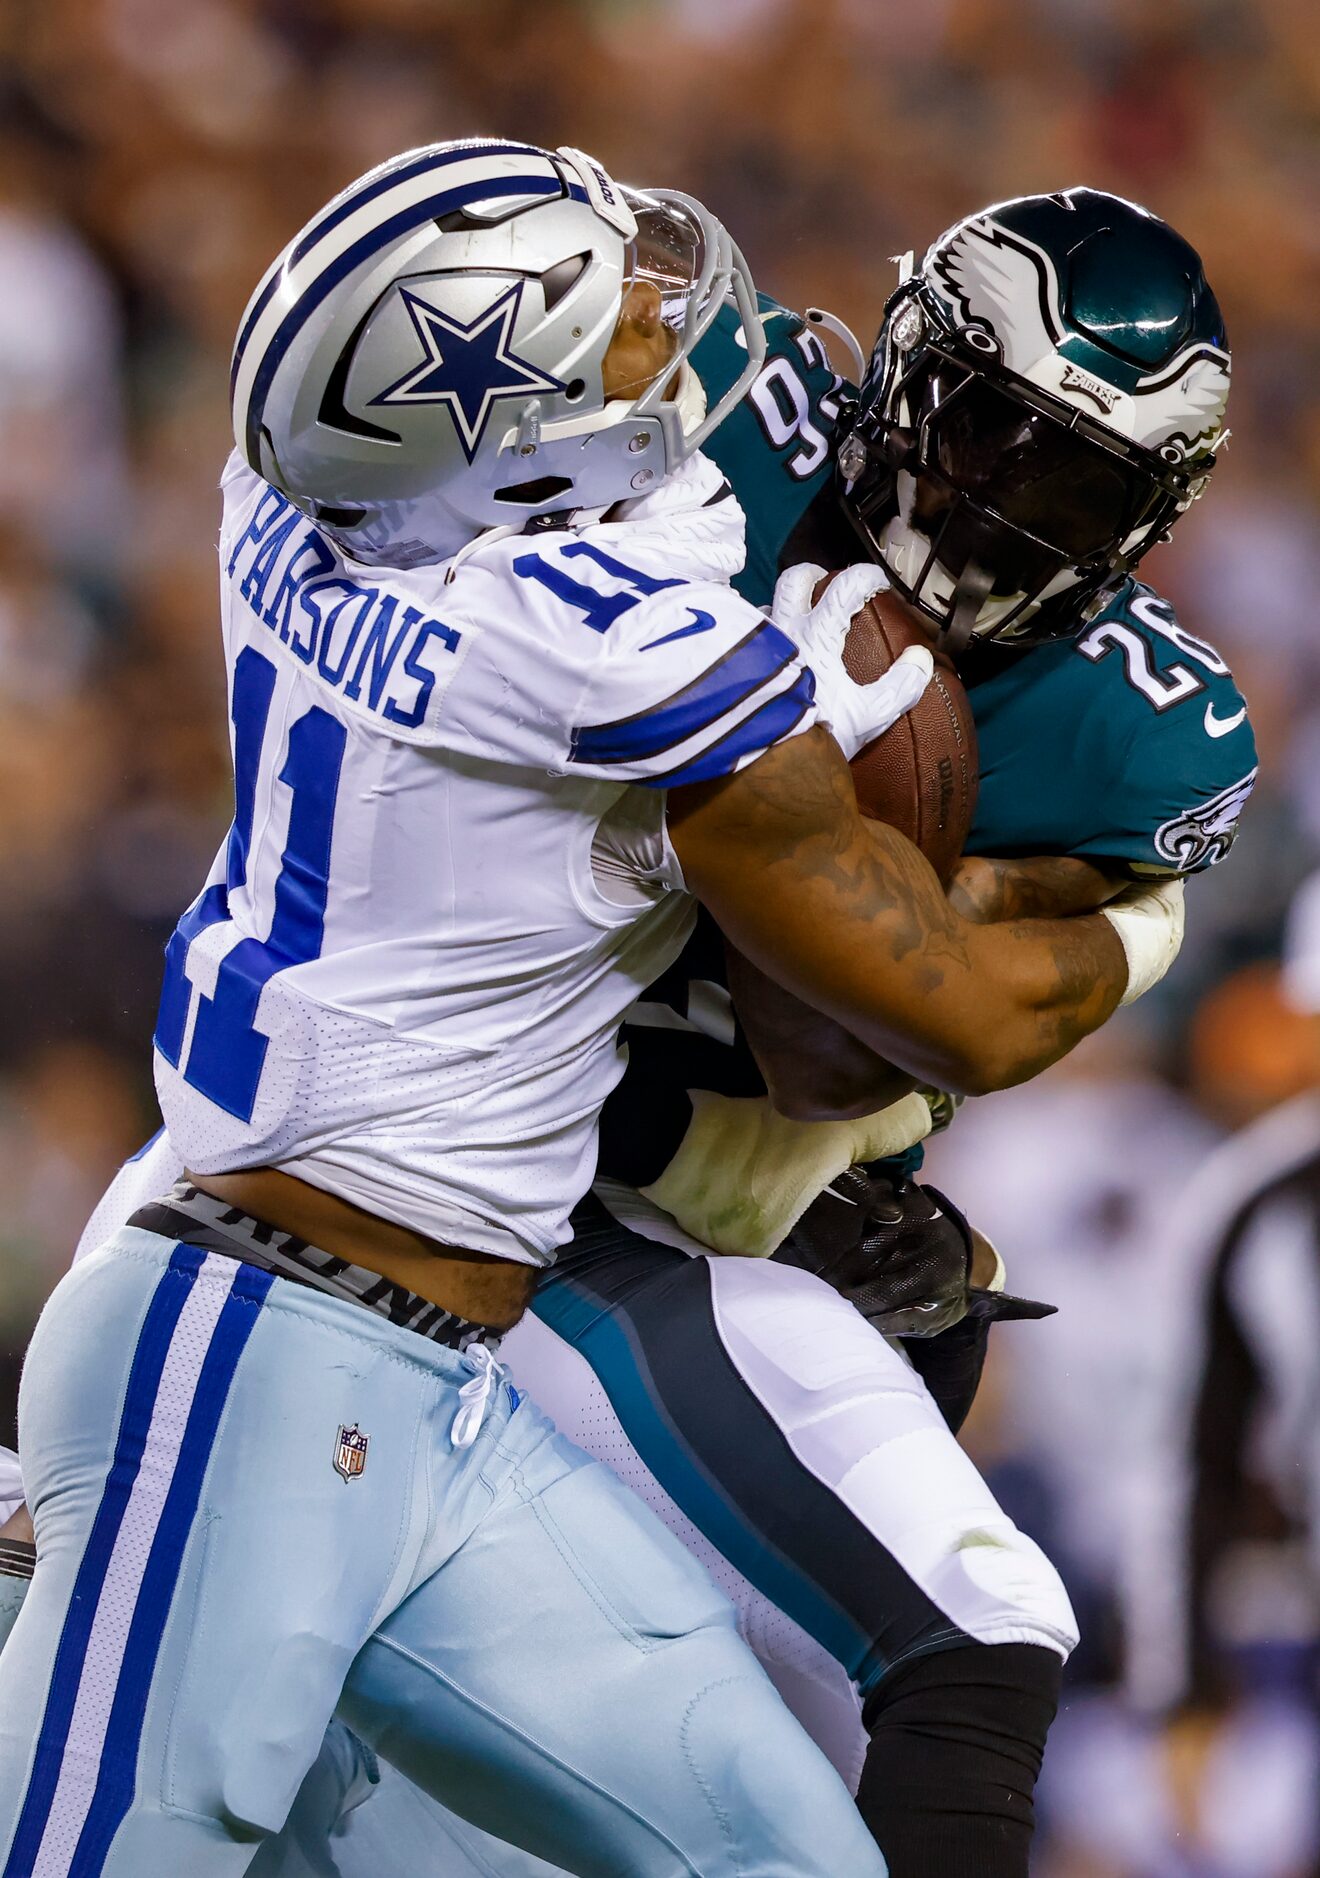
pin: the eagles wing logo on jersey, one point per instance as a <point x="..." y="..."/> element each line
<point x="1204" y="835"/>
<point x="467" y="366"/>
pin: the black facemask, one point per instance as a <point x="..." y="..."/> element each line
<point x="1012" y="489"/>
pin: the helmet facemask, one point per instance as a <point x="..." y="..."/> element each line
<point x="688" y="261"/>
<point x="986" y="499"/>
<point x="679" y="268"/>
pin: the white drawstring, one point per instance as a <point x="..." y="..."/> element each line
<point x="474" y="1396"/>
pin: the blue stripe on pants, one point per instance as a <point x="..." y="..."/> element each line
<point x="118" y="1767"/>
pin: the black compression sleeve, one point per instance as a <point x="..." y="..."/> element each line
<point x="956" y="1744"/>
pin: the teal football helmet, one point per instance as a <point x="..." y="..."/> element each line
<point x="1045" y="397"/>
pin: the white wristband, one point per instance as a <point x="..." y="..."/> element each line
<point x="1000" y="1277"/>
<point x="1149" y="922"/>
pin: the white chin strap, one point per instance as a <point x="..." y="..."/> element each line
<point x="905" y="554"/>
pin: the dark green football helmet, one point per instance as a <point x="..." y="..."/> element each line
<point x="1045" y="398"/>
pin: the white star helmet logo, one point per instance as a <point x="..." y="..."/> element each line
<point x="467" y="366"/>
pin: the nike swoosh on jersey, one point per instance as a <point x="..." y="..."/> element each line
<point x="701" y="623"/>
<point x="1220" y="726"/>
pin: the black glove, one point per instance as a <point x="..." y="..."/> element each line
<point x="900" y="1252"/>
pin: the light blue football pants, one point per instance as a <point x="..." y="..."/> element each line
<point x="398" y="1833"/>
<point x="501" y="1620"/>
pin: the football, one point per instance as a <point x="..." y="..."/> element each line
<point x="920" y="776"/>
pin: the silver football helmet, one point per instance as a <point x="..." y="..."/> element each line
<point x="424" y="360"/>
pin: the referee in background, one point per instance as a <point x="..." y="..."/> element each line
<point x="1222" y="1599"/>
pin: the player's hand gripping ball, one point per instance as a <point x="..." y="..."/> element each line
<point x="895" y="706"/>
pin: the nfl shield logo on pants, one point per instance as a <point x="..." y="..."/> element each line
<point x="351" y="1452"/>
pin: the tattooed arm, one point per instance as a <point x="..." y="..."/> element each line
<point x="816" y="1070"/>
<point x="849" y="916"/>
<point x="1048" y="886"/>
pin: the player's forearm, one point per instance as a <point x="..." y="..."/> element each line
<point x="814" y="1068"/>
<point x="1040" y="987"/>
<point x="851" y="918"/>
<point x="969" y="1009"/>
<point x="1050" y="886"/>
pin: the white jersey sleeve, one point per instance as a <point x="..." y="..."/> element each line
<point x="610" y="651"/>
<point x="685" y="684"/>
<point x="700" y="685"/>
<point x="610" y="664"/>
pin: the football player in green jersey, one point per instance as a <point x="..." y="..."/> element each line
<point x="1107" y="733"/>
<point x="1045" y="397"/>
<point x="1017" y="443"/>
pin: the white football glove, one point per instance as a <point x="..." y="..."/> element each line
<point x="1149" y="921"/>
<point x="857" y="714"/>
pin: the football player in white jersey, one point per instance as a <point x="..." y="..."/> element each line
<point x="272" y="1461"/>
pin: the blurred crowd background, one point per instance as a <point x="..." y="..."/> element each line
<point x="154" y="154"/>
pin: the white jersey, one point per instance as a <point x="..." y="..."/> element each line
<point x="404" y="978"/>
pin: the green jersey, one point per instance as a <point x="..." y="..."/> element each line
<point x="1129" y="743"/>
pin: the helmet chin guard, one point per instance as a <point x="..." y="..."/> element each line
<point x="970" y="595"/>
<point x="1044" y="399"/>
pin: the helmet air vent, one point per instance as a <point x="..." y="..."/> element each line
<point x="557" y="280"/>
<point x="532" y="494"/>
<point x="459" y="222"/>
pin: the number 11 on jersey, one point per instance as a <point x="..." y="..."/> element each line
<point x="226" y="1053"/>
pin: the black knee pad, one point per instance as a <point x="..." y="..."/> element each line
<point x="956" y="1745"/>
